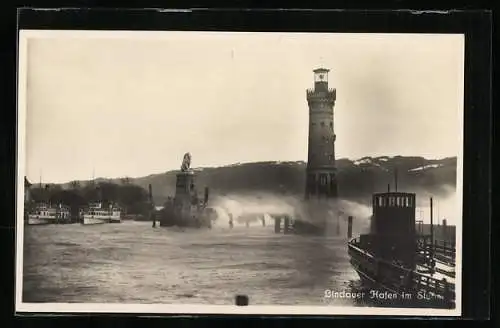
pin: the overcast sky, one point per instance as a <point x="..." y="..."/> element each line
<point x="132" y="103"/>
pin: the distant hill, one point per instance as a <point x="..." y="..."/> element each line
<point x="357" y="179"/>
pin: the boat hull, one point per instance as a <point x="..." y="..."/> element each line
<point x="94" y="220"/>
<point x="87" y="220"/>
<point x="33" y="220"/>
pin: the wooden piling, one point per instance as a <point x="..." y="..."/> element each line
<point x="286" y="227"/>
<point x="444" y="234"/>
<point x="152" y="212"/>
<point x="205" y="198"/>
<point x="277" y="224"/>
<point x="349" y="227"/>
<point x="338" y="225"/>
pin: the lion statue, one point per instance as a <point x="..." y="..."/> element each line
<point x="186" y="162"/>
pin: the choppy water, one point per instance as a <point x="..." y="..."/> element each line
<point x="134" y="263"/>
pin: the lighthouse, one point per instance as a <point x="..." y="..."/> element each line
<point x="321" y="179"/>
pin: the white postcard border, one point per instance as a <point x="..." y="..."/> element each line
<point x="22" y="307"/>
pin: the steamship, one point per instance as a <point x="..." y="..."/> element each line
<point x="96" y="213"/>
<point x="394" y="258"/>
<point x="44" y="213"/>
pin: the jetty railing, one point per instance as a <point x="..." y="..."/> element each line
<point x="438" y="288"/>
<point x="398" y="276"/>
<point x="445" y="248"/>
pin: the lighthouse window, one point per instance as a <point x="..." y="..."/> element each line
<point x="391" y="201"/>
<point x="409" y="201"/>
<point x="380" y="202"/>
<point x="323" y="179"/>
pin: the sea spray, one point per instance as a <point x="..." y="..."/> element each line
<point x="251" y="207"/>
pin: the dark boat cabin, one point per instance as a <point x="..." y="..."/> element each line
<point x="394" y="214"/>
<point x="392" y="232"/>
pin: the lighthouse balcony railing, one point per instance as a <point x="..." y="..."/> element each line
<point x="321" y="93"/>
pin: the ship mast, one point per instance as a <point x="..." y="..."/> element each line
<point x="151" y="205"/>
<point x="432" y="230"/>
<point x="396" y="179"/>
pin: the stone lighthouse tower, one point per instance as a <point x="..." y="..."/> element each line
<point x="321" y="181"/>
